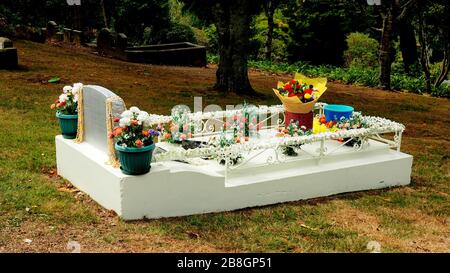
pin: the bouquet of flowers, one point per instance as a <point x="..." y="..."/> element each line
<point x="222" y="141"/>
<point x="181" y="128"/>
<point x="67" y="103"/>
<point x="292" y="130"/>
<point x="133" y="130"/>
<point x="300" y="94"/>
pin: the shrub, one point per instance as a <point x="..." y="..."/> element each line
<point x="213" y="42"/>
<point x="180" y="33"/>
<point x="362" y="51"/>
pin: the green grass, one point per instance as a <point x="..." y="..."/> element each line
<point x="32" y="204"/>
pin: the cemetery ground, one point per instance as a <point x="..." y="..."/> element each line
<point x="40" y="211"/>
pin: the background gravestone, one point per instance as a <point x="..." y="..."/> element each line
<point x="76" y="37"/>
<point x="67" y="35"/>
<point x="122" y="41"/>
<point x="8" y="54"/>
<point x="105" y="42"/>
<point x="51" y="30"/>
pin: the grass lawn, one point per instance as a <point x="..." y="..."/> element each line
<point x="38" y="205"/>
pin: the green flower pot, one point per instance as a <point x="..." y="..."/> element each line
<point x="68" y="125"/>
<point x="135" y="160"/>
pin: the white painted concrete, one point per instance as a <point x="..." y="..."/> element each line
<point x="177" y="189"/>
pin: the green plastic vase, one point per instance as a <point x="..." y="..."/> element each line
<point x="68" y="125"/>
<point x="135" y="161"/>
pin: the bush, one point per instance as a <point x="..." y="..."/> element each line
<point x="362" y="51"/>
<point x="180" y="33"/>
<point x="173" y="34"/>
<point x="353" y="75"/>
<point x="213" y="42"/>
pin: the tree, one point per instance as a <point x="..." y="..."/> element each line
<point x="389" y="13"/>
<point x="318" y="29"/>
<point x="132" y="17"/>
<point x="269" y="9"/>
<point x="232" y="19"/>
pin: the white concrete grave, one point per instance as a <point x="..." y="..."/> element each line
<point x="174" y="188"/>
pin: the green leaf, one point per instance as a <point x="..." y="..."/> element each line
<point x="54" y="80"/>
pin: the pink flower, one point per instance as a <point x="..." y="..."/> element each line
<point x="244" y="119"/>
<point x="251" y="126"/>
<point x="174" y="128"/>
<point x="254" y="120"/>
<point x="183" y="137"/>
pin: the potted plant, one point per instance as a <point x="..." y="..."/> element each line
<point x="134" y="141"/>
<point x="66" y="107"/>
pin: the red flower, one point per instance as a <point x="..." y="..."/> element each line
<point x="118" y="131"/>
<point x="291" y="95"/>
<point x="145" y="133"/>
<point x="111" y="135"/>
<point x="116" y="119"/>
<point x="293" y="81"/>
<point x="309" y="91"/>
<point x="139" y="143"/>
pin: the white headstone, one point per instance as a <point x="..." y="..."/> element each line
<point x="94" y="101"/>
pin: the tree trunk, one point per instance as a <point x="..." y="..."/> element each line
<point x="408" y="45"/>
<point x="105" y="20"/>
<point x="424" y="60"/>
<point x="445" y="67"/>
<point x="386" y="48"/>
<point x="269" y="10"/>
<point x="233" y="27"/>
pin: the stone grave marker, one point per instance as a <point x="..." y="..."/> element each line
<point x="8" y="54"/>
<point x="94" y="101"/>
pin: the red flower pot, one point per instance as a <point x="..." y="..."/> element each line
<point x="302" y="119"/>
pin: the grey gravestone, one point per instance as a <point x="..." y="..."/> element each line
<point x="59" y="36"/>
<point x="51" y="30"/>
<point x="5" y="43"/>
<point x="122" y="41"/>
<point x="8" y="54"/>
<point x="77" y="37"/>
<point x="105" y="42"/>
<point x="67" y="35"/>
<point x="94" y="101"/>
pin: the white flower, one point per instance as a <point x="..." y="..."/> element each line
<point x="147" y="122"/>
<point x="143" y="116"/>
<point x="75" y="98"/>
<point x="77" y="88"/>
<point x="127" y="114"/>
<point x="126" y="121"/>
<point x="135" y="110"/>
<point x="62" y="97"/>
<point x="67" y="89"/>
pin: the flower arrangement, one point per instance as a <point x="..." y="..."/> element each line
<point x="354" y="122"/>
<point x="223" y="142"/>
<point x="181" y="127"/>
<point x="67" y="102"/>
<point x="244" y="123"/>
<point x="301" y="93"/>
<point x="133" y="130"/>
<point x="294" y="88"/>
<point x="292" y="130"/>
